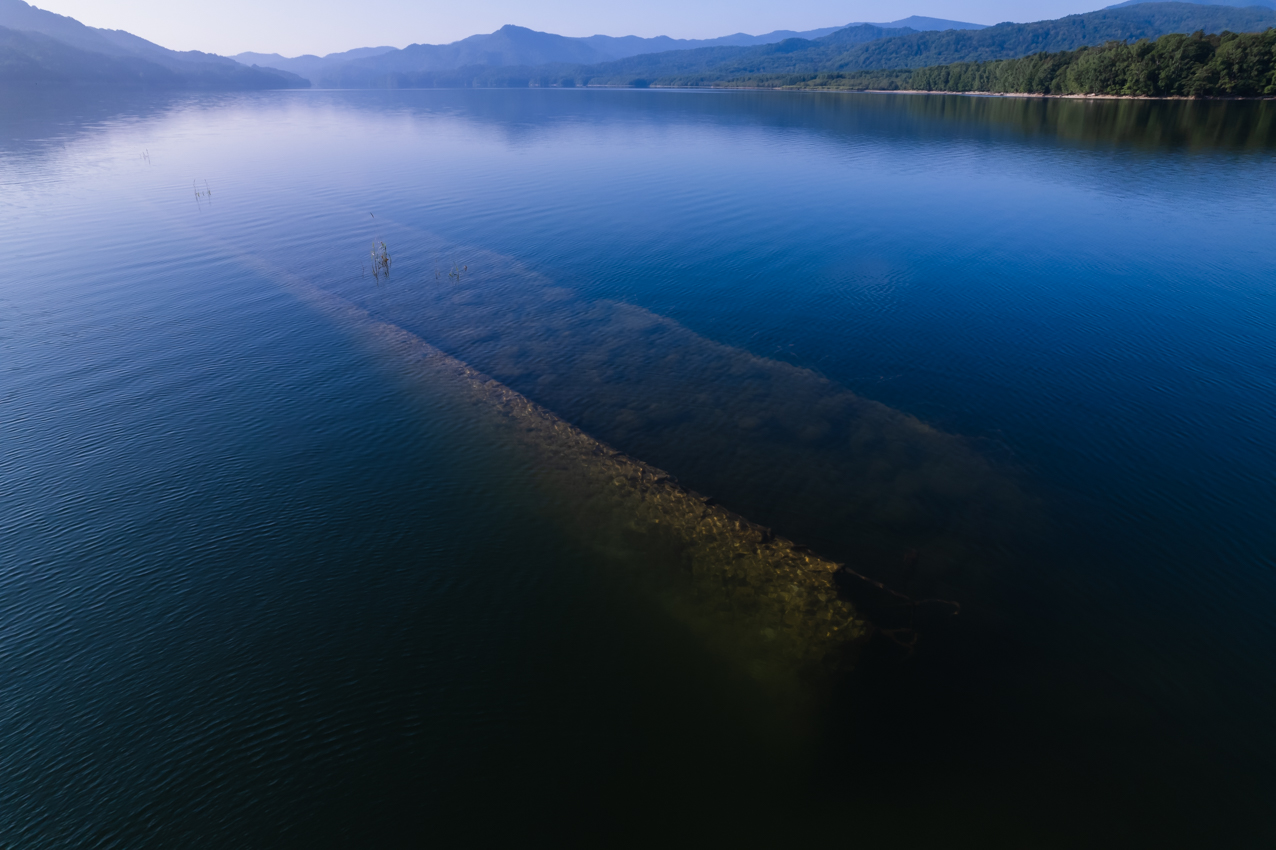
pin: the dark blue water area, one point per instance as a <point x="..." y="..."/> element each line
<point x="259" y="588"/>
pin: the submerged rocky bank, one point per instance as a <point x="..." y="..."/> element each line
<point x="770" y="604"/>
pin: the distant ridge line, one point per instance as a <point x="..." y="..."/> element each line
<point x="513" y="45"/>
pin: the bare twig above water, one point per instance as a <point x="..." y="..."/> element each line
<point x="206" y="193"/>
<point x="380" y="260"/>
<point x="454" y="274"/>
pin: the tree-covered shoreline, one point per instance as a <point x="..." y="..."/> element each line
<point x="1225" y="65"/>
<point x="1202" y="65"/>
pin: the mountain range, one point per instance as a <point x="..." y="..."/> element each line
<point x="1268" y="4"/>
<point x="512" y="45"/>
<point x="1008" y="41"/>
<point x="39" y="48"/>
<point x="855" y="48"/>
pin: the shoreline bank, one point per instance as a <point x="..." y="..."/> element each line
<point x="963" y="93"/>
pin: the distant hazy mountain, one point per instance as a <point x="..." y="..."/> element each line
<point x="309" y="66"/>
<point x="513" y="45"/>
<point x="631" y="45"/>
<point x="620" y="47"/>
<point x="40" y="45"/>
<point x="1267" y="4"/>
<point x="697" y="63"/>
<point x="31" y="59"/>
<point x="850" y="50"/>
<point x="509" y="45"/>
<point x="17" y="15"/>
<point x="921" y="23"/>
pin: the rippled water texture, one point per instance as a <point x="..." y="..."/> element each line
<point x="537" y="540"/>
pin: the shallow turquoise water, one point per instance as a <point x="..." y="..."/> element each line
<point x="261" y="588"/>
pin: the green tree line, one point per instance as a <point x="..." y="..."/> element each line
<point x="1197" y="65"/>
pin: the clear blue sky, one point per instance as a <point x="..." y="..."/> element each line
<point x="292" y="27"/>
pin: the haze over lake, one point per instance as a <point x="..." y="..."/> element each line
<point x="266" y="582"/>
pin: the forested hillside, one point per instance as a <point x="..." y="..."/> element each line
<point x="118" y="44"/>
<point x="1008" y="41"/>
<point x="1175" y="65"/>
<point x="857" y="57"/>
<point x="1227" y="65"/>
<point x="703" y="65"/>
<point x="515" y="46"/>
<point x="29" y="59"/>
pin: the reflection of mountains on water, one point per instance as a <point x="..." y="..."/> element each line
<point x="1155" y="125"/>
<point x="40" y="120"/>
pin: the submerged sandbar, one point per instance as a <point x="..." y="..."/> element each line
<point x="767" y="602"/>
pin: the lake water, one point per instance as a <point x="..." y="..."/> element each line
<point x="266" y="582"/>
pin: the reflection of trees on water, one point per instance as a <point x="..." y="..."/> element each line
<point x="1112" y="123"/>
<point x="527" y="115"/>
<point x="41" y="122"/>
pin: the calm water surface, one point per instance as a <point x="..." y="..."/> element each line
<point x="262" y="586"/>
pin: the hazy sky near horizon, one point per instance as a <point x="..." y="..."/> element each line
<point x="294" y="27"/>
